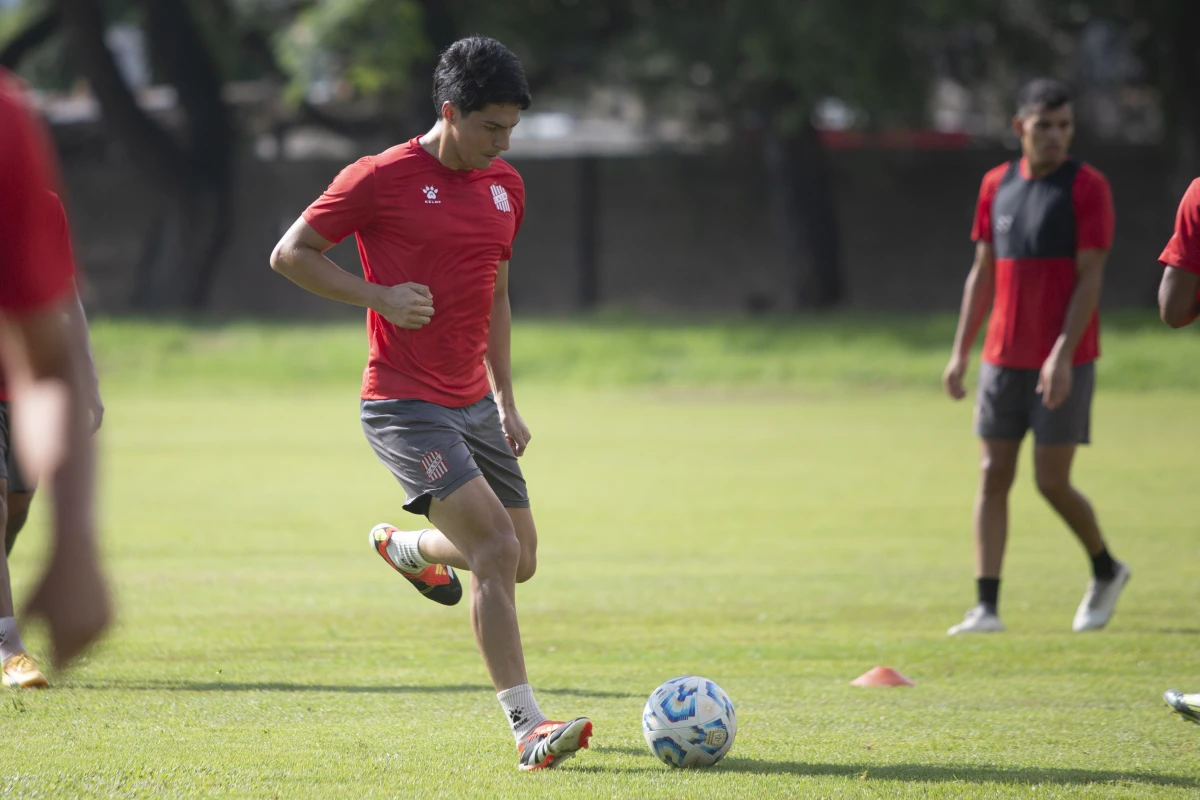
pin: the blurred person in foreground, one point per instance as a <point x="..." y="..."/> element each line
<point x="16" y="491"/>
<point x="47" y="419"/>
<point x="1179" y="306"/>
<point x="1043" y="227"/>
<point x="435" y="220"/>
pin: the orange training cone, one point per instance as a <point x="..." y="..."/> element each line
<point x="882" y="676"/>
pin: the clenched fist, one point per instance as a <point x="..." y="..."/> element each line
<point x="406" y="305"/>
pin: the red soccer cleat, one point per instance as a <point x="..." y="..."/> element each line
<point x="551" y="743"/>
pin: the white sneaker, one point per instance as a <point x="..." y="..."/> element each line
<point x="1100" y="601"/>
<point x="978" y="620"/>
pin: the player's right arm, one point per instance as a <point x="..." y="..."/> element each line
<point x="1179" y="291"/>
<point x="347" y="206"/>
<point x="300" y="257"/>
<point x="1179" y="297"/>
<point x="977" y="296"/>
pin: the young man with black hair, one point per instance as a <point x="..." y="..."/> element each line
<point x="1043" y="227"/>
<point x="435" y="220"/>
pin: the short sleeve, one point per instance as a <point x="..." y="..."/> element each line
<point x="981" y="230"/>
<point x="516" y="193"/>
<point x="1095" y="219"/>
<point x="31" y="278"/>
<point x="348" y="205"/>
<point x="1183" y="250"/>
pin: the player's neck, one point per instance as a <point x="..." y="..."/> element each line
<point x="1040" y="169"/>
<point x="440" y="145"/>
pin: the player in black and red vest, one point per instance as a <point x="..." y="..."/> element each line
<point x="1043" y="228"/>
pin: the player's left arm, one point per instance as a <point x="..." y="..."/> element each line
<point x="499" y="364"/>
<point x="1095" y="223"/>
<point x="1055" y="382"/>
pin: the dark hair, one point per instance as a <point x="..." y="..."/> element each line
<point x="476" y="71"/>
<point x="1042" y="94"/>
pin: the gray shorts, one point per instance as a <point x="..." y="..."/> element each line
<point x="1009" y="405"/>
<point x="9" y="470"/>
<point x="432" y="450"/>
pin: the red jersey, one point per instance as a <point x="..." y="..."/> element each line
<point x="31" y="277"/>
<point x="1183" y="251"/>
<point x="419" y="221"/>
<point x="1037" y="228"/>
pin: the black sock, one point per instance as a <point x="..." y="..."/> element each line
<point x="989" y="592"/>
<point x="1103" y="566"/>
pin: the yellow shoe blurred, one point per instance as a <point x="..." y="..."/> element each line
<point x="21" y="672"/>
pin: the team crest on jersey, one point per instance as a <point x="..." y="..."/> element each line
<point x="500" y="197"/>
<point x="434" y="464"/>
<point x="1004" y="223"/>
<point x="431" y="194"/>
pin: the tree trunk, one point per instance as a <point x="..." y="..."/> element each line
<point x="800" y="186"/>
<point x="1184" y="92"/>
<point x="34" y="34"/>
<point x="194" y="178"/>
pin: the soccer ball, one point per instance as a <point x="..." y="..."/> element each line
<point x="689" y="722"/>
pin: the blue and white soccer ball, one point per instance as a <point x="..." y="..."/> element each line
<point x="689" y="722"/>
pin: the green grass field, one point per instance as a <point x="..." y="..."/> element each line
<point x="778" y="507"/>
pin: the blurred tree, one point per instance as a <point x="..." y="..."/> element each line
<point x="763" y="66"/>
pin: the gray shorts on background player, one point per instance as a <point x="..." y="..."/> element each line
<point x="1009" y="405"/>
<point x="8" y="457"/>
<point x="432" y="450"/>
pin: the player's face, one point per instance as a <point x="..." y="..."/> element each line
<point x="1046" y="135"/>
<point x="481" y="136"/>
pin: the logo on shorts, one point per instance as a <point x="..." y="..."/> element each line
<point x="1004" y="223"/>
<point x="434" y="464"/>
<point x="500" y="197"/>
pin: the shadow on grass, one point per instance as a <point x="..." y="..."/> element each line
<point x="912" y="773"/>
<point x="218" y="686"/>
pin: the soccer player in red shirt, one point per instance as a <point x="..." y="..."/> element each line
<point x="435" y="219"/>
<point x="1180" y="286"/>
<point x="42" y="365"/>
<point x="1043" y="227"/>
<point x="1179" y="306"/>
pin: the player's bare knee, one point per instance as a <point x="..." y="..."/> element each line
<point x="527" y="566"/>
<point x="1053" y="487"/>
<point x="499" y="556"/>
<point x="995" y="478"/>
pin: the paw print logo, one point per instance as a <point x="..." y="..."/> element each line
<point x="430" y="193"/>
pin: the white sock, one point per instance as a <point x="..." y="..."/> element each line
<point x="521" y="709"/>
<point x="10" y="639"/>
<point x="402" y="549"/>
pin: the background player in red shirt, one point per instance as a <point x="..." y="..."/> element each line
<point x="1180" y="286"/>
<point x="435" y="219"/>
<point x="1179" y="307"/>
<point x="42" y="365"/>
<point x="1043" y="228"/>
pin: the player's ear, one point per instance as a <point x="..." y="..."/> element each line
<point x="1018" y="126"/>
<point x="449" y="112"/>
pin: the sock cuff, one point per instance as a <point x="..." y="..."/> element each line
<point x="516" y="691"/>
<point x="404" y="550"/>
